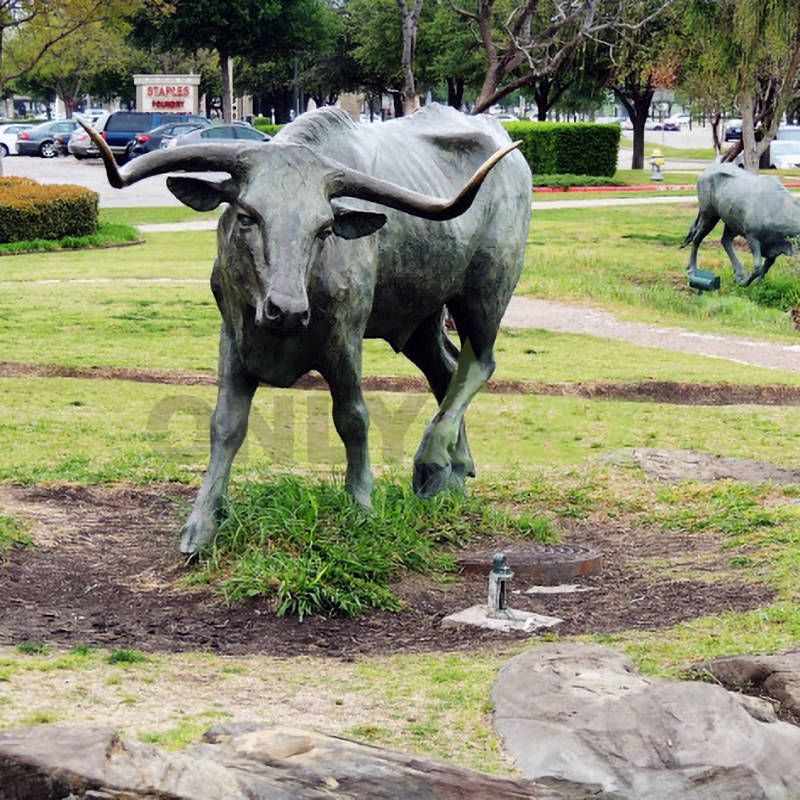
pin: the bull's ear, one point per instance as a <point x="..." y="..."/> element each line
<point x="203" y="195"/>
<point x="352" y="224"/>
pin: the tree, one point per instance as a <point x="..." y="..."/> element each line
<point x="641" y="62"/>
<point x="526" y="42"/>
<point x="67" y="67"/>
<point x="750" y="48"/>
<point x="255" y="29"/>
<point x="409" y="19"/>
<point x="46" y="23"/>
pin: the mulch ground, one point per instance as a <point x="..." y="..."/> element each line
<point x="674" y="392"/>
<point x="106" y="572"/>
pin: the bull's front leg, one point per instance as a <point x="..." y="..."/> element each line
<point x="228" y="429"/>
<point x="351" y="419"/>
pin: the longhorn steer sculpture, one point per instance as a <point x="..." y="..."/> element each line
<point x="301" y="277"/>
<point x="758" y="208"/>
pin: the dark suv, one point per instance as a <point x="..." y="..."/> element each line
<point x="121" y="127"/>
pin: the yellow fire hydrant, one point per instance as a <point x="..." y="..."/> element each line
<point x="656" y="163"/>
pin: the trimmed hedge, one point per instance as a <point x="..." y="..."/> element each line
<point x="265" y="126"/>
<point x="31" y="210"/>
<point x="576" y="148"/>
<point x="567" y="180"/>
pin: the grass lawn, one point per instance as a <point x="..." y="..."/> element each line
<point x="536" y="456"/>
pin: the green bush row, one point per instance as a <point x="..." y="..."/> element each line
<point x="265" y="126"/>
<point x="576" y="148"/>
<point x="31" y="210"/>
<point x="550" y="148"/>
<point x="566" y="181"/>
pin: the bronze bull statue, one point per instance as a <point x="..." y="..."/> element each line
<point x="334" y="232"/>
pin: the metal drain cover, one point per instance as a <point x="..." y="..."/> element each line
<point x="546" y="564"/>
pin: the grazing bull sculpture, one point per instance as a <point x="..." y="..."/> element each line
<point x="302" y="276"/>
<point x="758" y="208"/>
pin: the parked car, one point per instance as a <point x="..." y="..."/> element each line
<point x="120" y="127"/>
<point x="784" y="153"/>
<point x="160" y="136"/>
<point x="80" y="145"/>
<point x="217" y="132"/>
<point x="733" y="130"/>
<point x="8" y="137"/>
<point x="61" y="141"/>
<point x="40" y="140"/>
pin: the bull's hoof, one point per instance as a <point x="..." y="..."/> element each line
<point x="196" y="534"/>
<point x="430" y="479"/>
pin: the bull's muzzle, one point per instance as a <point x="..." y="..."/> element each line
<point x="283" y="314"/>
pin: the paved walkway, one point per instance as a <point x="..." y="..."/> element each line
<point x="525" y="312"/>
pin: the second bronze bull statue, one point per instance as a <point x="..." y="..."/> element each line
<point x="303" y="276"/>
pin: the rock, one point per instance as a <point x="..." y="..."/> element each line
<point x="579" y="716"/>
<point x="234" y="763"/>
<point x="775" y="676"/>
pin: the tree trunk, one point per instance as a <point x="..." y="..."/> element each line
<point x="750" y="152"/>
<point x="455" y="92"/>
<point x="410" y="22"/>
<point x="226" y="65"/>
<point x="637" y="103"/>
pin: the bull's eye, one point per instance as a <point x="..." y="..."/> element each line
<point x="245" y="220"/>
<point x="324" y="233"/>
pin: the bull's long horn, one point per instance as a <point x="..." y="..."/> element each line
<point x="351" y="183"/>
<point x="191" y="158"/>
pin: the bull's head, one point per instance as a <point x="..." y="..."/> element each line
<point x="282" y="208"/>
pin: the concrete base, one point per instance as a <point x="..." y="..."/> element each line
<point x="478" y="617"/>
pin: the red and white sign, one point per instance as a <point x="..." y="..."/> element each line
<point x="176" y="93"/>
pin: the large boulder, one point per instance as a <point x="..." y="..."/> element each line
<point x="579" y="715"/>
<point x="234" y="763"/>
<point x="775" y="676"/>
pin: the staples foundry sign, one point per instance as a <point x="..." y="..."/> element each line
<point x="175" y="93"/>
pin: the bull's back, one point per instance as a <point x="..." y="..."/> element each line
<point x="420" y="263"/>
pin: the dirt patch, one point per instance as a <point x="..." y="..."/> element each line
<point x="106" y="573"/>
<point x="673" y="392"/>
<point x="683" y="465"/>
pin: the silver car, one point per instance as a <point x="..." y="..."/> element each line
<point x="215" y="133"/>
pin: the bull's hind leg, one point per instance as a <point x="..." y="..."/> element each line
<point x="228" y="429"/>
<point x="727" y="243"/>
<point x="433" y="352"/>
<point x="703" y="225"/>
<point x="433" y="463"/>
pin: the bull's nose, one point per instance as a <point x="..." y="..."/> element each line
<point x="285" y="314"/>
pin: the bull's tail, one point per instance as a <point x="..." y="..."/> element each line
<point x="693" y="231"/>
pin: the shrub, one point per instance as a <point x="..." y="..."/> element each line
<point x="265" y="126"/>
<point x="30" y="210"/>
<point x="567" y="180"/>
<point x="579" y="148"/>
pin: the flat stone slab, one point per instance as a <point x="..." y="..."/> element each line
<point x="478" y="616"/>
<point x="776" y="676"/>
<point x="236" y="762"/>
<point x="683" y="465"/>
<point x="581" y="717"/>
<point x="561" y="588"/>
<point x="535" y="562"/>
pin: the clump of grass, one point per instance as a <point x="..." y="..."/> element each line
<point x="33" y="648"/>
<point x="316" y="551"/>
<point x="126" y="657"/>
<point x="13" y="533"/>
